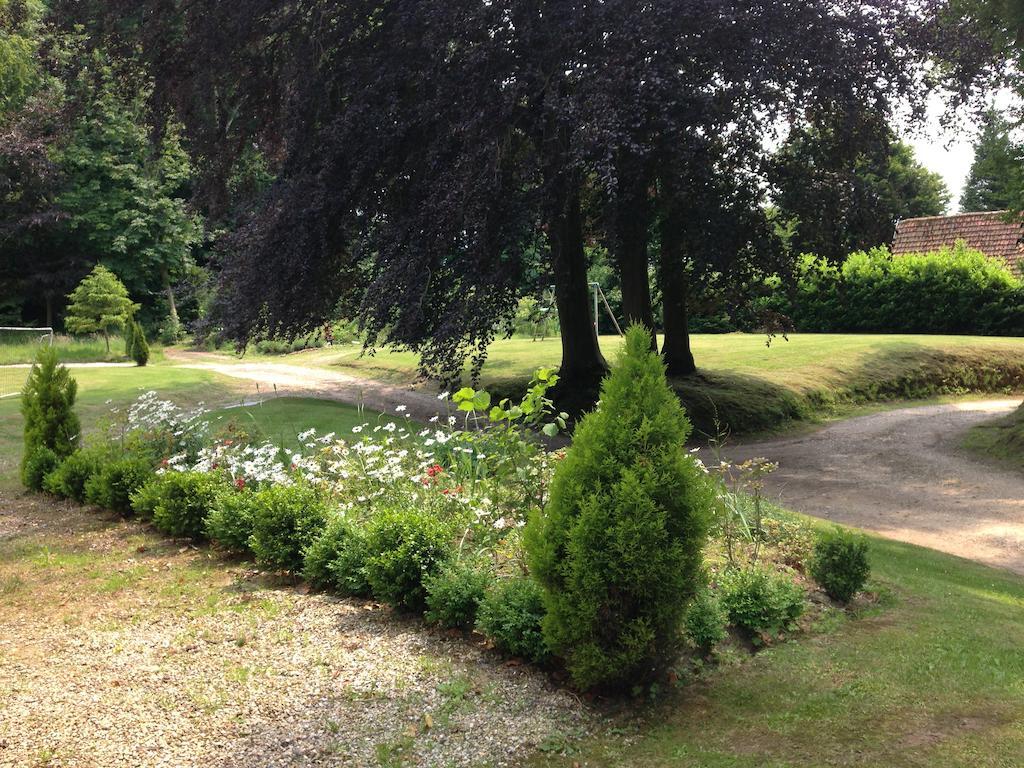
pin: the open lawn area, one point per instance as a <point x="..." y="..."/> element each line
<point x="102" y="389"/>
<point x="747" y="384"/>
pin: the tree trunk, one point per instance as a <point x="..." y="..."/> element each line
<point x="165" y="277"/>
<point x="583" y="365"/>
<point x="48" y="298"/>
<point x="106" y="338"/>
<point x="675" y="349"/>
<point x="633" y="219"/>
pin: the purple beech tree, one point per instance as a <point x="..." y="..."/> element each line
<point x="424" y="149"/>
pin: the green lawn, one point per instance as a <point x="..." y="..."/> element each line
<point x="751" y="386"/>
<point x="933" y="678"/>
<point x="119" y="386"/>
<point x="1002" y="439"/>
<point x="20" y="347"/>
<point x="281" y="420"/>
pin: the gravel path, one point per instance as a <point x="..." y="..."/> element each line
<point x="120" y="648"/>
<point x="902" y="474"/>
<point x="314" y="382"/>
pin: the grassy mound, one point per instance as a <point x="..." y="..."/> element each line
<point x="1002" y="439"/>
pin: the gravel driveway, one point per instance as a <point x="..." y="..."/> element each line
<point x="902" y="474"/>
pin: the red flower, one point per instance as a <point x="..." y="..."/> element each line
<point x="435" y="470"/>
<point x="240" y="483"/>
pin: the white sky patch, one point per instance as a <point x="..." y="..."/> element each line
<point x="949" y="150"/>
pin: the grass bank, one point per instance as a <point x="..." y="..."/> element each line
<point x="281" y="420"/>
<point x="933" y="678"/>
<point x="1001" y="440"/>
<point x="752" y="387"/>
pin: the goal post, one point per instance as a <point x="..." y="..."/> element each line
<point x="18" y="349"/>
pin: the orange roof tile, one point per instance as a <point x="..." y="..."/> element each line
<point x="988" y="232"/>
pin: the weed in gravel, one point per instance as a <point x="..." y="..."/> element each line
<point x="11" y="584"/>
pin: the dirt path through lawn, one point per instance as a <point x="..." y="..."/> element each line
<point x="314" y="382"/>
<point x="902" y="474"/>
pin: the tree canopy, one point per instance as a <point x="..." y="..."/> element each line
<point x="996" y="179"/>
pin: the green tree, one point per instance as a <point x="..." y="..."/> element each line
<point x="47" y="404"/>
<point x="996" y="179"/>
<point x="124" y="198"/>
<point x="845" y="187"/>
<point x="618" y="548"/>
<point x="99" y="304"/>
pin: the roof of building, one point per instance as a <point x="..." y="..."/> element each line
<point x="988" y="232"/>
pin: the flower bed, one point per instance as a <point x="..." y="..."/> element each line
<point x="431" y="518"/>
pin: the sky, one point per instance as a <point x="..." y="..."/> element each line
<point x="949" y="151"/>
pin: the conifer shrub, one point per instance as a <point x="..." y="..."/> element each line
<point x="48" y="407"/>
<point x="455" y="592"/>
<point x="230" y="522"/>
<point x="287" y="520"/>
<point x="404" y="546"/>
<point x="140" y="347"/>
<point x="840" y="563"/>
<point x="618" y="547"/>
<point x="69" y="478"/>
<point x="129" y="339"/>
<point x="511" y="614"/>
<point x="116" y="481"/>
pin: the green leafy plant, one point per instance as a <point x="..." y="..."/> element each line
<point x="403" y="548"/>
<point x="705" y="621"/>
<point x="35" y="466"/>
<point x="454" y="593"/>
<point x="113" y="486"/>
<point x="618" y="547"/>
<point x="230" y="521"/>
<point x="840" y="563"/>
<point x="511" y="615"/>
<point x="69" y="478"/>
<point x="180" y="501"/>
<point x="48" y="407"/>
<point x="759" y="602"/>
<point x="140" y="347"/>
<point x="100" y="304"/>
<point x="335" y="559"/>
<point x="287" y="520"/>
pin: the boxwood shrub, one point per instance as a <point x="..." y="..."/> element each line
<point x="404" y="546"/>
<point x="511" y="614"/>
<point x="335" y="560"/>
<point x="68" y="478"/>
<point x="287" y="519"/>
<point x="455" y="592"/>
<point x="231" y="519"/>
<point x="760" y="603"/>
<point x="180" y="501"/>
<point x="840" y="563"/>
<point x="116" y="481"/>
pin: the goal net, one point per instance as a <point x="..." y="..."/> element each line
<point x="18" y="349"/>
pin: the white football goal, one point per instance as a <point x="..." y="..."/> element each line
<point x="18" y="348"/>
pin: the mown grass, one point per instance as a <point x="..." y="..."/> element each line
<point x="22" y="347"/>
<point x="748" y="386"/>
<point x="282" y="419"/>
<point x="935" y="678"/>
<point x="1001" y="440"/>
<point x="102" y="389"/>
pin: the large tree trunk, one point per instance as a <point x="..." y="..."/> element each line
<point x="583" y="365"/>
<point x="675" y="349"/>
<point x="633" y="220"/>
<point x="165" y="277"/>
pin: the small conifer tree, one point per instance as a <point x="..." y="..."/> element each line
<point x="129" y="339"/>
<point x="99" y="304"/>
<point x="618" y="547"/>
<point x="47" y="403"/>
<point x="140" y="347"/>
